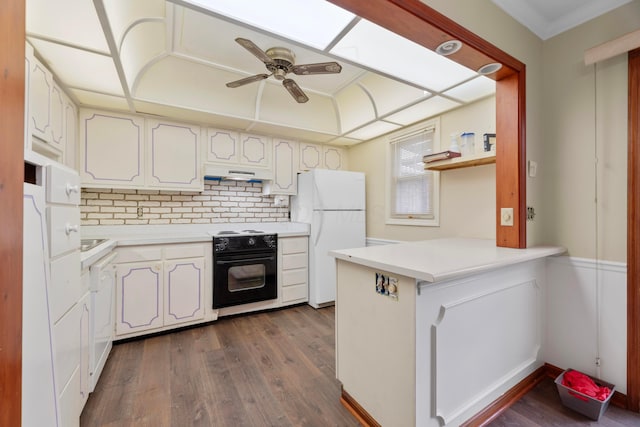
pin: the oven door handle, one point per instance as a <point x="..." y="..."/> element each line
<point x="267" y="258"/>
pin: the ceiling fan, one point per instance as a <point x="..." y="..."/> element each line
<point x="280" y="62"/>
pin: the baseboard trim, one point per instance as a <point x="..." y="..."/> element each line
<point x="491" y="412"/>
<point x="357" y="411"/>
<point x="498" y="406"/>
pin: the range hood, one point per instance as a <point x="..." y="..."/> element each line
<point x="237" y="173"/>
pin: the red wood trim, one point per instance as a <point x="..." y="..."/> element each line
<point x="633" y="233"/>
<point x="357" y="411"/>
<point x="498" y="406"/>
<point x="12" y="23"/>
<point x="511" y="159"/>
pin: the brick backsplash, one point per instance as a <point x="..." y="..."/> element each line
<point x="220" y="202"/>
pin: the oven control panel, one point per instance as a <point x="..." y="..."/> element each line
<point x="245" y="243"/>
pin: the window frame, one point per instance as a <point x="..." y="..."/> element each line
<point x="389" y="179"/>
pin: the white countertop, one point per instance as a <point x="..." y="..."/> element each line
<point x="132" y="235"/>
<point x="442" y="259"/>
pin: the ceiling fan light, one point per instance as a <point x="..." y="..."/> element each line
<point x="449" y="47"/>
<point x="489" y="68"/>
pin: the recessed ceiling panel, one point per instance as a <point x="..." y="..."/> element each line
<point x="373" y="130"/>
<point x="312" y="22"/>
<point x="213" y="40"/>
<point x="355" y="108"/>
<point x="94" y="99"/>
<point x="390" y="95"/>
<point x="71" y="21"/>
<point x="79" y="68"/>
<point x="181" y="83"/>
<point x="278" y="106"/>
<point x="424" y="110"/>
<point x="123" y="13"/>
<point x="380" y="49"/>
<point x="142" y="44"/>
<point x="473" y="90"/>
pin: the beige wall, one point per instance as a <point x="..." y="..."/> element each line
<point x="568" y="167"/>
<point x="467" y="196"/>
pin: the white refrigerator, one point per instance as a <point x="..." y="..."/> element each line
<point x="333" y="203"/>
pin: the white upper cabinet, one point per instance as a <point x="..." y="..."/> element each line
<point x="111" y="150"/>
<point x="173" y="155"/>
<point x="314" y="156"/>
<point x="57" y="117"/>
<point x="285" y="167"/>
<point x="71" y="134"/>
<point x="41" y="86"/>
<point x="234" y="148"/>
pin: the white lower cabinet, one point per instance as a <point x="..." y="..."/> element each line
<point x="164" y="287"/>
<point x="293" y="273"/>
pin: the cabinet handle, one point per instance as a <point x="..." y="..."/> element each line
<point x="157" y="267"/>
<point x="72" y="189"/>
<point x="68" y="228"/>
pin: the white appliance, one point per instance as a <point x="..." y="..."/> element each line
<point x="333" y="203"/>
<point x="103" y="297"/>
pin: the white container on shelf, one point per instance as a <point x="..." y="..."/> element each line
<point x="467" y="144"/>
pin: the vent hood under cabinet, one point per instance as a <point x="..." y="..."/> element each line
<point x="239" y="173"/>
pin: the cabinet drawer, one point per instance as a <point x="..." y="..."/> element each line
<point x="294" y="277"/>
<point x="292" y="245"/>
<point x="296" y="293"/>
<point x="64" y="229"/>
<point x="139" y="253"/>
<point x="63" y="185"/>
<point x="184" y="251"/>
<point x="66" y="286"/>
<point x="66" y="335"/>
<point x="294" y="261"/>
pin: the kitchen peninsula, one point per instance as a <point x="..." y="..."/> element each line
<point x="429" y="333"/>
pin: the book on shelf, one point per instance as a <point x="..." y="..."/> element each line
<point x="443" y="155"/>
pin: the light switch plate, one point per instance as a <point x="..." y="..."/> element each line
<point x="506" y="216"/>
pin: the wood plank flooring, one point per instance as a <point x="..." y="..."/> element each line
<point x="267" y="369"/>
<point x="541" y="407"/>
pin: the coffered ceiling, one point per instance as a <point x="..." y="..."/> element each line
<point x="173" y="58"/>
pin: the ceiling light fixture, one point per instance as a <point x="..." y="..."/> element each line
<point x="449" y="47"/>
<point x="489" y="68"/>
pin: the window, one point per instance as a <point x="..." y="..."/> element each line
<point x="413" y="192"/>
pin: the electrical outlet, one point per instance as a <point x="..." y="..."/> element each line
<point x="139" y="212"/>
<point x="506" y="217"/>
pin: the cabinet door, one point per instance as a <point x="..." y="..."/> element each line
<point x="41" y="86"/>
<point x="310" y="156"/>
<point x="255" y="150"/>
<point x="39" y="400"/>
<point x="333" y="157"/>
<point x="184" y="291"/>
<point x="85" y="344"/>
<point x="111" y="150"/>
<point x="222" y="146"/>
<point x="285" y="167"/>
<point x="138" y="297"/>
<point x="174" y="155"/>
<point x="57" y="118"/>
<point x="70" y="134"/>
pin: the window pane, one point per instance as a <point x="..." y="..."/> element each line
<point x="412" y="189"/>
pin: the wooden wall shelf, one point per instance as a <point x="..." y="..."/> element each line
<point x="462" y="162"/>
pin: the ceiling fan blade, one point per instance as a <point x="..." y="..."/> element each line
<point x="255" y="50"/>
<point x="247" y="80"/>
<point x="318" y="68"/>
<point x="295" y="91"/>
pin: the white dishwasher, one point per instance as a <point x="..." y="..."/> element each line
<point x="103" y="297"/>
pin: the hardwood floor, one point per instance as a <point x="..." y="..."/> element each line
<point x="542" y="407"/>
<point x="268" y="369"/>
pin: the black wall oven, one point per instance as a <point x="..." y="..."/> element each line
<point x="244" y="268"/>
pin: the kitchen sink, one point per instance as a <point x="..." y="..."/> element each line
<point x="88" y="244"/>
